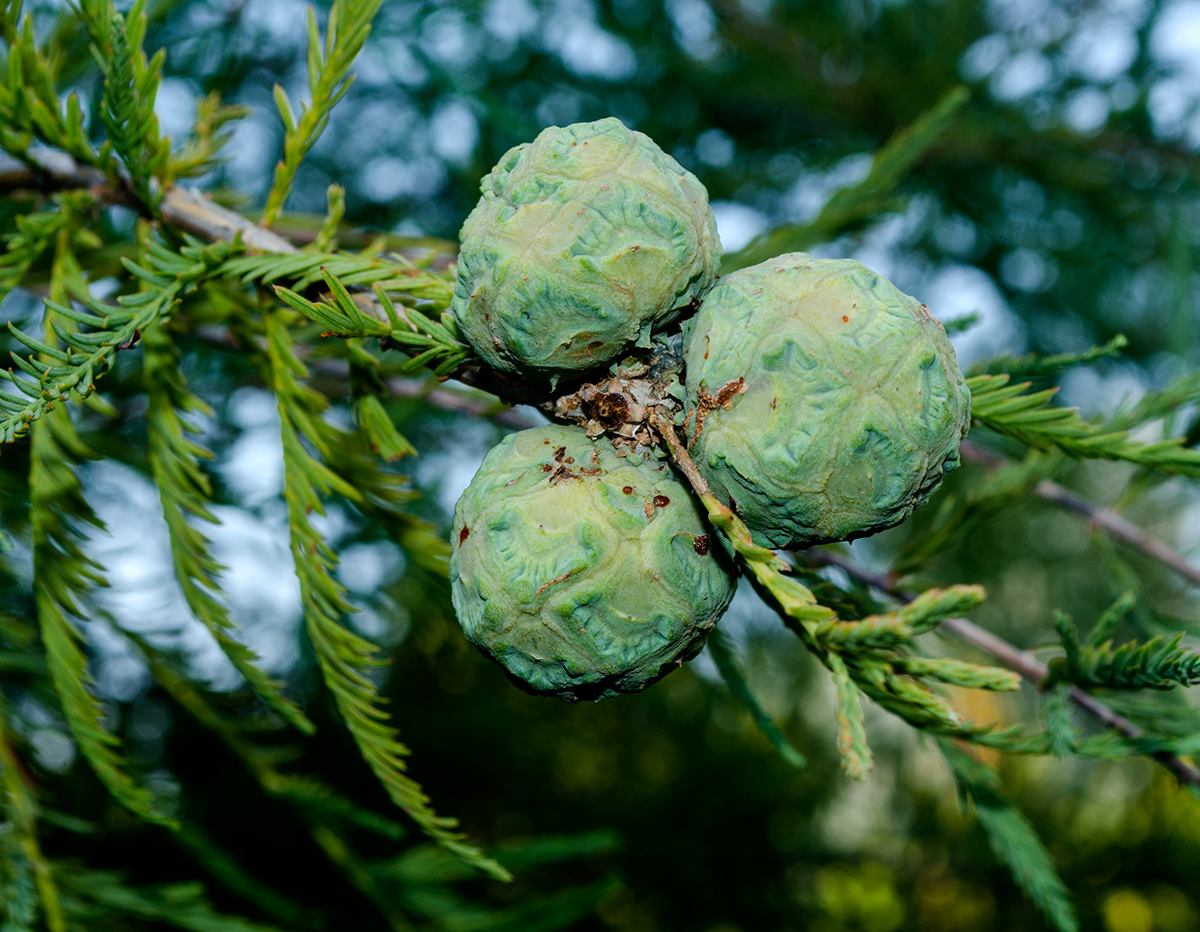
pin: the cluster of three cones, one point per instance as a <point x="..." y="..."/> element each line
<point x="588" y="574"/>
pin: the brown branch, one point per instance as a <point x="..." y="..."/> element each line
<point x="51" y="170"/>
<point x="679" y="453"/>
<point x="190" y="210"/>
<point x="1119" y="527"/>
<point x="1011" y="656"/>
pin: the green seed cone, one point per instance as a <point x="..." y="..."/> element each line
<point x="583" y="574"/>
<point x="852" y="406"/>
<point x="584" y="241"/>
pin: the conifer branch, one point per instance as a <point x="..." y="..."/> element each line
<point x="63" y="576"/>
<point x="233" y="875"/>
<point x="852" y="736"/>
<point x="377" y="427"/>
<point x="189" y="210"/>
<point x="35" y="234"/>
<point x="1159" y="663"/>
<point x="182" y="905"/>
<point x="958" y="514"/>
<point x="127" y="110"/>
<point x="346" y="659"/>
<point x="1028" y="418"/>
<point x="431" y="343"/>
<point x="208" y="137"/>
<point x="318" y="804"/>
<point x="1108" y="520"/>
<point x="20" y="811"/>
<point x="311" y="796"/>
<point x="1013" y="657"/>
<point x="360" y="876"/>
<point x="17" y="887"/>
<point x="185" y="492"/>
<point x="49" y="171"/>
<point x="1058" y="715"/>
<point x="181" y="207"/>
<point x="722" y="653"/>
<point x="851" y="206"/>
<point x="891" y="685"/>
<point x="1035" y="365"/>
<point x="89" y="355"/>
<point x="1161" y="403"/>
<point x="329" y="78"/>
<point x="326" y="238"/>
<point x="1012" y="839"/>
<point x="29" y="102"/>
<point x="73" y="372"/>
<point x="870" y="654"/>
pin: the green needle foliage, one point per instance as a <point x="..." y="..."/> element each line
<point x="852" y="206"/>
<point x="130" y="86"/>
<point x="722" y="653"/>
<point x="170" y="313"/>
<point x="959" y="514"/>
<point x="1159" y="663"/>
<point x="186" y="492"/>
<point x="1029" y="418"/>
<point x="307" y="793"/>
<point x="1010" y="836"/>
<point x="22" y="853"/>
<point x="30" y="104"/>
<point x="1035" y="365"/>
<point x="63" y="575"/>
<point x="73" y="372"/>
<point x="346" y="658"/>
<point x="328" y="79"/>
<point x="867" y="655"/>
<point x="94" y="894"/>
<point x="852" y="736"/>
<point x="433" y="343"/>
<point x="35" y="234"/>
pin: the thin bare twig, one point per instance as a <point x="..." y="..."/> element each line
<point x="1011" y="656"/>
<point x="190" y="210"/>
<point x="186" y="208"/>
<point x="1119" y="527"/>
<point x="679" y="453"/>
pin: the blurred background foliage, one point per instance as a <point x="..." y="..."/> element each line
<point x="1061" y="207"/>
